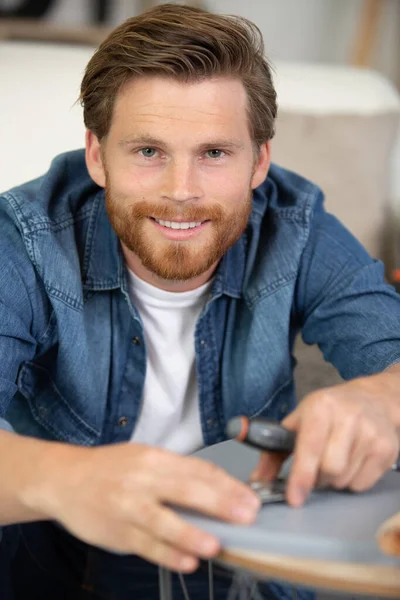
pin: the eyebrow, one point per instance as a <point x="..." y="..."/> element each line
<point x="146" y="140"/>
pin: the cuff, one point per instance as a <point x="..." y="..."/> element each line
<point x="5" y="426"/>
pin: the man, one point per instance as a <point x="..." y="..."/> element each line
<point x="151" y="289"/>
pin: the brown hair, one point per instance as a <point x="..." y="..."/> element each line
<point x="187" y="44"/>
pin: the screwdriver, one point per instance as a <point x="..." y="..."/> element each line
<point x="261" y="433"/>
<point x="265" y="434"/>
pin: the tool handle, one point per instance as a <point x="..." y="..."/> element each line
<point x="262" y="434"/>
<point x="388" y="536"/>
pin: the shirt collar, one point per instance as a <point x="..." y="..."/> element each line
<point x="104" y="265"/>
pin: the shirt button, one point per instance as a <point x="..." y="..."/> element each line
<point x="123" y="421"/>
<point x="203" y="343"/>
<point x="210" y="422"/>
<point x="136" y="340"/>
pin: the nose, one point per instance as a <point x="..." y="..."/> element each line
<point x="181" y="181"/>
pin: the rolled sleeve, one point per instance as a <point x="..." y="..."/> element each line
<point x="343" y="303"/>
<point x="4" y="426"/>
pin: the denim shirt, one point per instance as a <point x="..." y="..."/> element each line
<point x="72" y="351"/>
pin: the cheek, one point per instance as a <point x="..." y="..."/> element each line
<point x="230" y="185"/>
<point x="129" y="179"/>
<point x="131" y="185"/>
<point x="232" y="196"/>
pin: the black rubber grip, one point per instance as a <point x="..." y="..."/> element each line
<point x="263" y="434"/>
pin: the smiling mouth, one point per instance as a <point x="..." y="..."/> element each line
<point x="178" y="224"/>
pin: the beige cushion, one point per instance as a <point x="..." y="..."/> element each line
<point x="338" y="126"/>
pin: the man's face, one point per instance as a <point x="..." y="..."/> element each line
<point x="179" y="167"/>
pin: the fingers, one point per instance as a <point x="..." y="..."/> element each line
<point x="311" y="440"/>
<point x="190" y="483"/>
<point x="343" y="477"/>
<point x="189" y="470"/>
<point x="224" y="501"/>
<point x="292" y="420"/>
<point x="335" y="459"/>
<point x="213" y="475"/>
<point x="200" y="485"/>
<point x="369" y="472"/>
<point x="159" y="552"/>
<point x="170" y="529"/>
<point x="127" y="537"/>
<point x="377" y="461"/>
<point x="342" y="442"/>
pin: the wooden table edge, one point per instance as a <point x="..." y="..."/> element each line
<point x="356" y="578"/>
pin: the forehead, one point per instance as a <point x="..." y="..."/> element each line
<point x="218" y="105"/>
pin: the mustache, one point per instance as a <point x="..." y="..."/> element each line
<point x="145" y="209"/>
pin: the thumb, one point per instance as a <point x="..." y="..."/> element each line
<point x="268" y="466"/>
<point x="292" y="421"/>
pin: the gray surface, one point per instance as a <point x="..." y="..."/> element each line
<point x="332" y="525"/>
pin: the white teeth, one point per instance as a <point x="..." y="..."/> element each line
<point x="176" y="225"/>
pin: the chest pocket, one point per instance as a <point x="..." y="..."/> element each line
<point x="49" y="409"/>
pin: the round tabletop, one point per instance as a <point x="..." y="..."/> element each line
<point x="328" y="543"/>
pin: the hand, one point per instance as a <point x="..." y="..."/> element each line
<point x="117" y="497"/>
<point x="346" y="437"/>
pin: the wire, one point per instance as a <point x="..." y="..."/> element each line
<point x="184" y="588"/>
<point x="210" y="580"/>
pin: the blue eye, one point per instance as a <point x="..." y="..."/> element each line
<point x="215" y="153"/>
<point x="147" y="152"/>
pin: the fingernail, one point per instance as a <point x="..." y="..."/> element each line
<point x="188" y="564"/>
<point x="250" y="501"/>
<point x="243" y="513"/>
<point x="208" y="546"/>
<point x="298" y="496"/>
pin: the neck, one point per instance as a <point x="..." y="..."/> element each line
<point x="135" y="265"/>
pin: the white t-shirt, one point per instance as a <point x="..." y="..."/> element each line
<point x="169" y="416"/>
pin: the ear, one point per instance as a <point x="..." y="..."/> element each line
<point x="262" y="165"/>
<point x="94" y="160"/>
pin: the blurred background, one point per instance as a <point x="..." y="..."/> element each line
<point x="337" y="73"/>
<point x="300" y="30"/>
